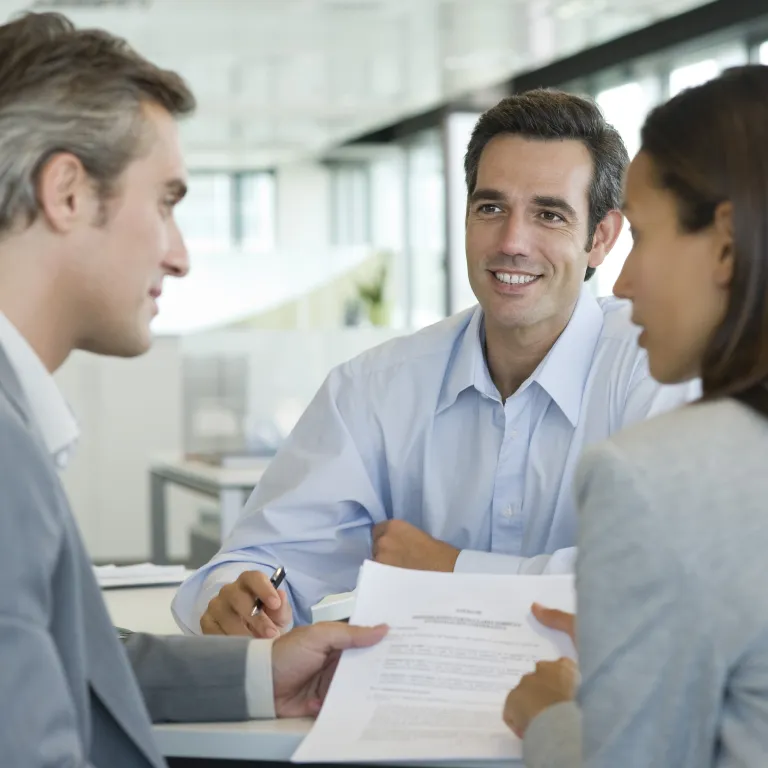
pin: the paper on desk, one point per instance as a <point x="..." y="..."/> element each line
<point x="141" y="575"/>
<point x="435" y="687"/>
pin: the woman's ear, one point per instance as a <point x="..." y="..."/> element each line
<point x="723" y="231"/>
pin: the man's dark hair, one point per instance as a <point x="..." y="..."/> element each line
<point x="556" y="115"/>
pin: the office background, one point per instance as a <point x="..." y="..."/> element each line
<point x="326" y="201"/>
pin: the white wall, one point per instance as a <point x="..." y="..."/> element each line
<point x="459" y="126"/>
<point x="128" y="410"/>
<point x="132" y="410"/>
<point x="388" y="192"/>
<point x="303" y="208"/>
<point x="228" y="287"/>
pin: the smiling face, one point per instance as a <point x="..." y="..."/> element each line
<point x="678" y="281"/>
<point x="527" y="230"/>
<point x="123" y="259"/>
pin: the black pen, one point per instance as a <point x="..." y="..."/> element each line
<point x="275" y="581"/>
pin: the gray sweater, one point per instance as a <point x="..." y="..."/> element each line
<point x="672" y="579"/>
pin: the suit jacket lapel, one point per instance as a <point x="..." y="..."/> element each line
<point x="9" y="383"/>
<point x="110" y="672"/>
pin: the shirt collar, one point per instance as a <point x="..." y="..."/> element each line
<point x="562" y="373"/>
<point x="463" y="367"/>
<point x="49" y="408"/>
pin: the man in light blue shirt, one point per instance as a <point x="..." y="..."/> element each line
<point x="454" y="448"/>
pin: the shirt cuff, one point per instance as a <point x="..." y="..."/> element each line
<point x="553" y="739"/>
<point x="259" y="687"/>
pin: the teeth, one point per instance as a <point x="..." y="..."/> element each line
<point x="505" y="277"/>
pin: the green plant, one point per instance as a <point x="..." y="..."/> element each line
<point x="373" y="293"/>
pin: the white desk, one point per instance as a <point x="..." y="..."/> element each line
<point x="148" y="609"/>
<point x="142" y="609"/>
<point x="267" y="740"/>
<point x="230" y="486"/>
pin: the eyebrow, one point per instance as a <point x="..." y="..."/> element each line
<point x="487" y="194"/>
<point x="558" y="203"/>
<point x="177" y="188"/>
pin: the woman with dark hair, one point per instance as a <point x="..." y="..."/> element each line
<point x="672" y="571"/>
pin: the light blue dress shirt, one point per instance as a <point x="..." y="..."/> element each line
<point x="416" y="430"/>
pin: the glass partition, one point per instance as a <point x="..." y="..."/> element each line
<point x="425" y="228"/>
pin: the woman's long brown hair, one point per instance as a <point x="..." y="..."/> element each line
<point x="709" y="144"/>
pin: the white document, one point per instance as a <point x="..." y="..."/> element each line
<point x="141" y="575"/>
<point x="434" y="688"/>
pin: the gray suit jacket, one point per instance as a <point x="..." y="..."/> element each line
<point x="672" y="580"/>
<point x="68" y="695"/>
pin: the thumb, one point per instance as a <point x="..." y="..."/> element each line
<point x="337" y="636"/>
<point x="554" y="619"/>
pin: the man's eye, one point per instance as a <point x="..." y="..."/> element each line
<point x="551" y="216"/>
<point x="488" y="208"/>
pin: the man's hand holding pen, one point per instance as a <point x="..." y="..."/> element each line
<point x="252" y="605"/>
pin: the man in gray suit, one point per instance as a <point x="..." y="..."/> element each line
<point x="90" y="171"/>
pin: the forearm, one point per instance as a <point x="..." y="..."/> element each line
<point x="187" y="679"/>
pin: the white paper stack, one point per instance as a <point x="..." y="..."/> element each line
<point x="141" y="575"/>
<point x="434" y="688"/>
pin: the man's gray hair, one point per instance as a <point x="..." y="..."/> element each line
<point x="76" y="91"/>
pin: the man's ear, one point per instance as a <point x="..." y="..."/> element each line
<point x="65" y="192"/>
<point x="605" y="237"/>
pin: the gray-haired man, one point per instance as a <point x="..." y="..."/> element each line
<point x="90" y="172"/>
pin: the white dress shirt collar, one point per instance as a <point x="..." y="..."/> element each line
<point x="50" y="411"/>
<point x="563" y="373"/>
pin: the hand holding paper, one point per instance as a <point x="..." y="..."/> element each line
<point x="434" y="687"/>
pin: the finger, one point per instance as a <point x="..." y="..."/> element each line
<point x="509" y="713"/>
<point x="336" y="636"/>
<point x="379" y="530"/>
<point x="570" y="665"/>
<point x="260" y="588"/>
<point x="239" y="600"/>
<point x="262" y="626"/>
<point x="550" y="670"/>
<point x="283" y="616"/>
<point x="229" y="622"/>
<point x="385" y="558"/>
<point x="554" y="619"/>
<point x="208" y="625"/>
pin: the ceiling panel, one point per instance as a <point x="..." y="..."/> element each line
<point x="314" y="72"/>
